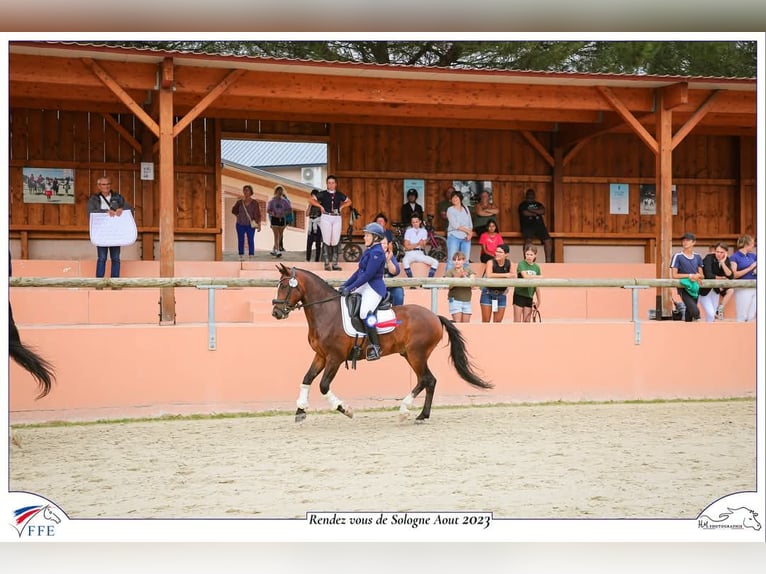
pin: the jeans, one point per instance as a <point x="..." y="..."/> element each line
<point x="242" y="231"/>
<point x="454" y="245"/>
<point x="397" y="295"/>
<point x="114" y="255"/>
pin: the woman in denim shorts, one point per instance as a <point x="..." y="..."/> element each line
<point x="493" y="300"/>
<point x="459" y="298"/>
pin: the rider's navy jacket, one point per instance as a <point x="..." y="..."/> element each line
<point x="371" y="267"/>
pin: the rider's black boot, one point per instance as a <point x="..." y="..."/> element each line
<point x="335" y="253"/>
<point x="373" y="344"/>
<point x="326" y="256"/>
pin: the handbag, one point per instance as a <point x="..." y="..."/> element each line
<point x="253" y="222"/>
<point x="536" y="318"/>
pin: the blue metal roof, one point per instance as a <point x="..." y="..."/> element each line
<point x="273" y="154"/>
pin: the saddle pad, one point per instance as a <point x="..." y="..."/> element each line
<point x="382" y="315"/>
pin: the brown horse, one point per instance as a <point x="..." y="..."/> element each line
<point x="415" y="337"/>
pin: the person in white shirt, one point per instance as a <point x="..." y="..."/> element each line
<point x="415" y="240"/>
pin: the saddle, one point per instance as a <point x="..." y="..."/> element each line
<point x="352" y="322"/>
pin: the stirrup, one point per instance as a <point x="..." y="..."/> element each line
<point x="373" y="352"/>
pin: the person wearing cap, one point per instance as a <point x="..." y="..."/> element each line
<point x="367" y="280"/>
<point x="686" y="265"/>
<point x="411" y="207"/>
<point x="494" y="299"/>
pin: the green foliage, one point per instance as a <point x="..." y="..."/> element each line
<point x="713" y="59"/>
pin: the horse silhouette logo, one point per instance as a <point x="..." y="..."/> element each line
<point x="22" y="517"/>
<point x="734" y="518"/>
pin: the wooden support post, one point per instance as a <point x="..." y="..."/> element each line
<point x="663" y="178"/>
<point x="555" y="221"/>
<point x="167" y="196"/>
<point x="148" y="189"/>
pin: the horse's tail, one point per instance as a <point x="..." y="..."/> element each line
<point x="459" y="356"/>
<point x="38" y="367"/>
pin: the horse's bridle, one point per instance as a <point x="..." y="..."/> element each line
<point x="292" y="283"/>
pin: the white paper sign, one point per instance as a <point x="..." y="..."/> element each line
<point x="114" y="231"/>
<point x="147" y="170"/>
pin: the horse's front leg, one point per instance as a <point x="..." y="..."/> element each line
<point x="331" y="368"/>
<point x="317" y="364"/>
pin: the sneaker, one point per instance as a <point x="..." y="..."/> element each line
<point x="719" y="313"/>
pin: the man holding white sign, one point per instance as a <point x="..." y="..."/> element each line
<point x="109" y="228"/>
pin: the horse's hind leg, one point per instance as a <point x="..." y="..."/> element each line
<point x="427" y="381"/>
<point x="317" y="364"/>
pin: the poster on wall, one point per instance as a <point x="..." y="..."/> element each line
<point x="471" y="190"/>
<point x="648" y="196"/>
<point x="48" y="185"/>
<point x="619" y="195"/>
<point x="418" y="185"/>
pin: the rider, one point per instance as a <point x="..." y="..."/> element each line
<point x="367" y="280"/>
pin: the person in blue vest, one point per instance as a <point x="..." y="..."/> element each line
<point x="367" y="280"/>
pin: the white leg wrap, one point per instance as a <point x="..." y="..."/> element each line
<point x="303" y="397"/>
<point x="406" y="403"/>
<point x="333" y="400"/>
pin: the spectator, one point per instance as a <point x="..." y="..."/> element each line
<point x="331" y="202"/>
<point x="526" y="298"/>
<point x="687" y="265"/>
<point x="392" y="270"/>
<point x="248" y="221"/>
<point x="411" y="207"/>
<point x="111" y="202"/>
<point x="278" y="209"/>
<point x="460" y="229"/>
<point x="493" y="300"/>
<point x="483" y="213"/>
<point x="716" y="265"/>
<point x="442" y="208"/>
<point x="489" y="240"/>
<point x="382" y="220"/>
<point x="744" y="264"/>
<point x="531" y="214"/>
<point x="415" y="239"/>
<point x="313" y="233"/>
<point x="459" y="298"/>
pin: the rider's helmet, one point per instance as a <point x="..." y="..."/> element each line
<point x="377" y="231"/>
<point x="412" y="191"/>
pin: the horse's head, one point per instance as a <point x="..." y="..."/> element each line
<point x="749" y="520"/>
<point x="289" y="293"/>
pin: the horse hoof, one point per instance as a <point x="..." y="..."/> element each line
<point x="420" y="420"/>
<point x="348" y="411"/>
<point x="403" y="416"/>
<point x="300" y="416"/>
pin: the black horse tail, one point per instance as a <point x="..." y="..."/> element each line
<point x="459" y="356"/>
<point x="38" y="367"/>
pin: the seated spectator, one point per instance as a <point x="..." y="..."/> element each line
<point x="411" y="207"/>
<point x="382" y="220"/>
<point x="415" y="239"/>
<point x="716" y="265"/>
<point x="483" y="212"/>
<point x="493" y="300"/>
<point x="459" y="298"/>
<point x="531" y="214"/>
<point x="392" y="270"/>
<point x="526" y="298"/>
<point x="489" y="240"/>
<point x="687" y="264"/>
<point x="744" y="264"/>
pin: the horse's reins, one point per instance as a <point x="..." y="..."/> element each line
<point x="292" y="283"/>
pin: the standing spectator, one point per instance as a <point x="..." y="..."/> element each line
<point x="459" y="230"/>
<point x="483" y="213"/>
<point x="489" y="240"/>
<point x="278" y="209"/>
<point x="248" y="221"/>
<point x="531" y="214"/>
<point x="314" y="234"/>
<point x="494" y="300"/>
<point x="525" y="299"/>
<point x="392" y="270"/>
<point x="744" y="264"/>
<point x="415" y="239"/>
<point x="687" y="265"/>
<point x="331" y="201"/>
<point x="459" y="298"/>
<point x="411" y="207"/>
<point x="442" y="208"/>
<point x="716" y="265"/>
<point x="111" y="202"/>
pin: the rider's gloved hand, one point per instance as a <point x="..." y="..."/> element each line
<point x="344" y="291"/>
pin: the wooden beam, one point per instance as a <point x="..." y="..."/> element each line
<point x="694" y="120"/>
<point x="167" y="204"/>
<point x="124" y="97"/>
<point x="206" y="101"/>
<point x="675" y="95"/>
<point x="535" y="143"/>
<point x="664" y="216"/>
<point x="629" y="118"/>
<point x="127" y="136"/>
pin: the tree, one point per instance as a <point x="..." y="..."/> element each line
<point x="714" y="59"/>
